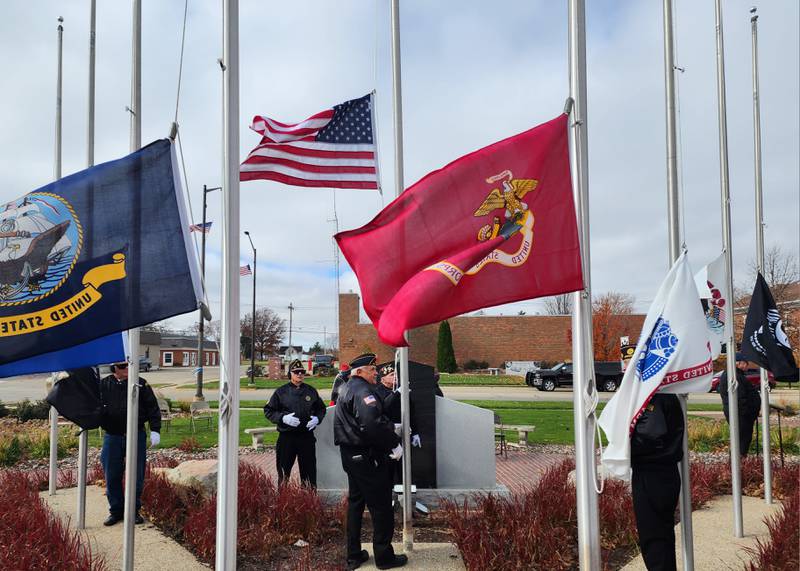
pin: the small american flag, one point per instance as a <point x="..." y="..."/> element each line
<point x="333" y="149"/>
<point x="245" y="271"/>
<point x="205" y="228"/>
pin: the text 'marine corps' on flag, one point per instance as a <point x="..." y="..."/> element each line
<point x="492" y="227"/>
<point x="94" y="253"/>
<point x="673" y="355"/>
<point x="245" y="271"/>
<point x="333" y="149"/>
<point x="763" y="340"/>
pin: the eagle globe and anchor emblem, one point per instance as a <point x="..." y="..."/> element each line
<point x="40" y="241"/>
<point x="516" y="218"/>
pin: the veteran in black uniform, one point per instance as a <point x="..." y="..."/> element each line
<point x="368" y="444"/>
<point x="297" y="409"/>
<point x="656" y="450"/>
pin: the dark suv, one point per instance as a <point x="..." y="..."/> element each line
<point x="323" y="365"/>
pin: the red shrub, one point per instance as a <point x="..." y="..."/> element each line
<point x="617" y="521"/>
<point x="159" y="461"/>
<point x="782" y="549"/>
<point x="95" y="474"/>
<point x="189" y="444"/>
<point x="32" y="537"/>
<point x="67" y="478"/>
<point x="39" y="479"/>
<point x="200" y="529"/>
<point x="166" y="504"/>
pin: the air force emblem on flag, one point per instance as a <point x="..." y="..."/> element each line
<point x="659" y="348"/>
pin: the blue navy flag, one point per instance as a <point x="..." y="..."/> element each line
<point x="108" y="349"/>
<point x="98" y="252"/>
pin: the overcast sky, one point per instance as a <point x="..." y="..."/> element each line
<point x="474" y="72"/>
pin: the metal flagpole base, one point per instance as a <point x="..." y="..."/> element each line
<point x="687" y="534"/>
<point x="765" y="437"/>
<point x="83" y="449"/>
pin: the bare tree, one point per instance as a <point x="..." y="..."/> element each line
<point x="558" y="304"/>
<point x="270" y="330"/>
<point x="781" y="270"/>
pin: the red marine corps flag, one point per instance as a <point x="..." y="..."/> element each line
<point x="492" y="227"/>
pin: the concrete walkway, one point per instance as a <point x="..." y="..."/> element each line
<point x="714" y="545"/>
<point x="424" y="557"/>
<point x="154" y="551"/>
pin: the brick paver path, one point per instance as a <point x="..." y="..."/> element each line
<point x="519" y="470"/>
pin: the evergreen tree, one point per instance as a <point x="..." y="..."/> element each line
<point x="445" y="356"/>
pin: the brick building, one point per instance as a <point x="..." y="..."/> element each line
<point x="181" y="351"/>
<point x="494" y="339"/>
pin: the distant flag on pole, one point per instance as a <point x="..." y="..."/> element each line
<point x="713" y="288"/>
<point x="672" y="356"/>
<point x="245" y="270"/>
<point x="204" y="227"/>
<point x="333" y="149"/>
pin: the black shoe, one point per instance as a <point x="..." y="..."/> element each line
<point x="112" y="519"/>
<point x="363" y="557"/>
<point x="139" y="519"/>
<point x="398" y="561"/>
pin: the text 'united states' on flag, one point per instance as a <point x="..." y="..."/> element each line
<point x="332" y="149"/>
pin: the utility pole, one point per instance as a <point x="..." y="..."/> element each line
<point x="291" y="309"/>
<point x="198" y="396"/>
<point x="252" y="382"/>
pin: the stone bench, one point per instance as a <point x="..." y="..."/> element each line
<point x="257" y="434"/>
<point x="522" y="430"/>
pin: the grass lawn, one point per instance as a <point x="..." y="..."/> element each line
<point x="460" y="380"/>
<point x="262" y="383"/>
<point x="180" y="429"/>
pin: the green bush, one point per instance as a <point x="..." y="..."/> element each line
<point x="445" y="356"/>
<point x="28" y="410"/>
<point x="10" y="451"/>
<point x="182" y="406"/>
<point x="472" y="365"/>
<point x="4" y="410"/>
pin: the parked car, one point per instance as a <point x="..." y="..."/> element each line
<point x="608" y="376"/>
<point x="145" y="364"/>
<point x="753" y="375"/>
<point x="322" y="365"/>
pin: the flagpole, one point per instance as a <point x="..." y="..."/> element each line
<point x="673" y="211"/>
<point x="397" y="98"/>
<point x="53" y="472"/>
<point x="765" y="437"/>
<point x="228" y="472"/>
<point x="83" y="439"/>
<point x="733" y="402"/>
<point x="132" y="425"/>
<point x="584" y="391"/>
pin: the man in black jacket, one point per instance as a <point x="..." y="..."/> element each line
<point x="367" y="443"/>
<point x="114" y="399"/>
<point x="339" y="382"/>
<point x="656" y="450"/>
<point x="748" y="401"/>
<point x="297" y="409"/>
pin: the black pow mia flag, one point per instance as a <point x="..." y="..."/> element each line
<point x="764" y="340"/>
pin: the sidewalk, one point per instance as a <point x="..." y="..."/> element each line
<point x="153" y="550"/>
<point x="714" y="544"/>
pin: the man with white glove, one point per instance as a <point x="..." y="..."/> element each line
<point x="369" y="448"/>
<point x="114" y="419"/>
<point x="297" y="409"/>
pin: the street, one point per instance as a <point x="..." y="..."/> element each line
<point x="166" y="380"/>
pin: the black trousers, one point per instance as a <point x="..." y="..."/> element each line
<point x="656" y="489"/>
<point x="369" y="482"/>
<point x="746" y="423"/>
<point x="300" y="446"/>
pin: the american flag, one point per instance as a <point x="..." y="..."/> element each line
<point x="334" y="149"/>
<point x="245" y="271"/>
<point x="205" y="228"/>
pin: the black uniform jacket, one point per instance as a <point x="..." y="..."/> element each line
<point x="114" y="398"/>
<point x="338" y="384"/>
<point x="391" y="401"/>
<point x="304" y="401"/>
<point x="360" y="420"/>
<point x="748" y="397"/>
<point x="658" y="435"/>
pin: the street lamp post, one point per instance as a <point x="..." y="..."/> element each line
<point x="252" y="382"/>
<point x="201" y="328"/>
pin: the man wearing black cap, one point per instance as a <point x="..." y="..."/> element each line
<point x="748" y="401"/>
<point x="114" y="418"/>
<point x="297" y="409"/>
<point x="367" y="443"/>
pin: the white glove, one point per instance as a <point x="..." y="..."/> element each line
<point x="312" y="424"/>
<point x="416" y="440"/>
<point x="291" y="420"/>
<point x="398" y="428"/>
<point x="155" y="438"/>
<point x="397" y="452"/>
